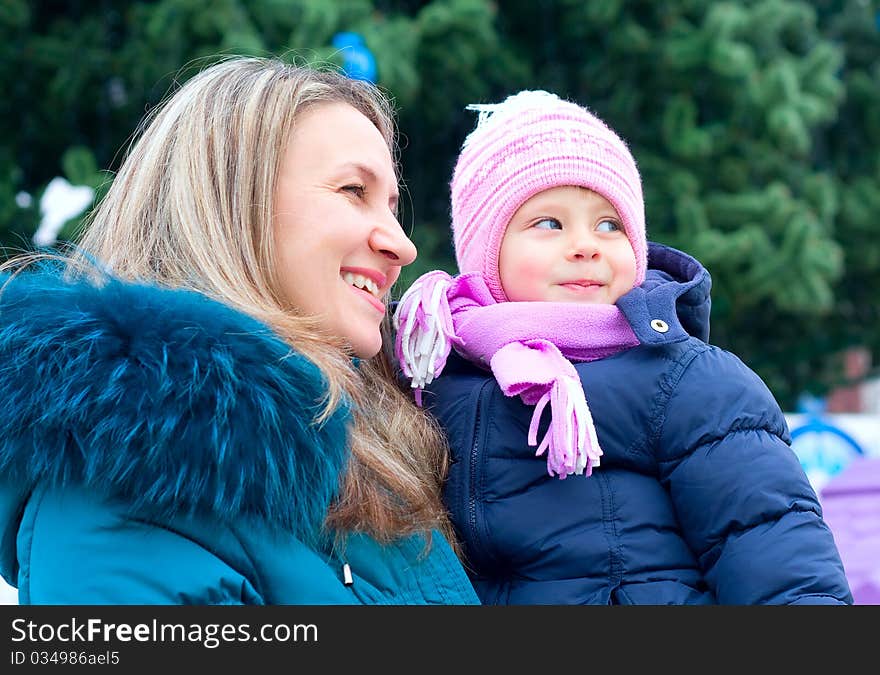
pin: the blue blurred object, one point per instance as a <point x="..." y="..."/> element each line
<point x="357" y="60"/>
<point x="811" y="405"/>
<point x="824" y="449"/>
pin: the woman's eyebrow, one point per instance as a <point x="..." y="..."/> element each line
<point x="371" y="175"/>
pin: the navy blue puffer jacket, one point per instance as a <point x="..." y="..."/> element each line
<point x="699" y="498"/>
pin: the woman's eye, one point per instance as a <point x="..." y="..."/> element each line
<point x="548" y="224"/>
<point x="356" y="190"/>
<point x="609" y="226"/>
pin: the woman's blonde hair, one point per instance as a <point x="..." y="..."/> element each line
<point x="192" y="206"/>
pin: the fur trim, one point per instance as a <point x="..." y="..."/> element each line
<point x="166" y="398"/>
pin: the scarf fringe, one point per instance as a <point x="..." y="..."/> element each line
<point x="570" y="441"/>
<point x="424" y="330"/>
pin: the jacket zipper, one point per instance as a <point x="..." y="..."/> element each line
<point x="472" y="479"/>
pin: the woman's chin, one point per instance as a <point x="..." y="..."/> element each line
<point x="366" y="348"/>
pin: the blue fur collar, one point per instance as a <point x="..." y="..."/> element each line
<point x="173" y="401"/>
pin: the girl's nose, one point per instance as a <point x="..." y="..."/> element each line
<point x="582" y="245"/>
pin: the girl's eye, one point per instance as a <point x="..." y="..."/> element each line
<point x="548" y="224"/>
<point x="609" y="226"/>
<point x="356" y="190"/>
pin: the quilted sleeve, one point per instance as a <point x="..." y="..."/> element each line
<point x="743" y="501"/>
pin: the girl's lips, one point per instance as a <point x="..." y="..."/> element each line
<point x="582" y="287"/>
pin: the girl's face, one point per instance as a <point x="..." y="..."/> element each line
<point x="339" y="245"/>
<point x="566" y="244"/>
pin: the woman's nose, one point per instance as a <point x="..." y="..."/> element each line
<point x="390" y="240"/>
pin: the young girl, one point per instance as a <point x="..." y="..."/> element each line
<point x="580" y="353"/>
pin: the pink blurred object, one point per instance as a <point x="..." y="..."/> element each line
<point x="851" y="507"/>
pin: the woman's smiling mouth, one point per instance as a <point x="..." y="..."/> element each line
<point x="368" y="284"/>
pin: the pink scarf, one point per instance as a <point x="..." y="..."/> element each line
<point x="529" y="347"/>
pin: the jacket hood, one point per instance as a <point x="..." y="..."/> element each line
<point x="676" y="291"/>
<point x="173" y="401"/>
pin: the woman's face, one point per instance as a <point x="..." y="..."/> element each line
<point x="339" y="245"/>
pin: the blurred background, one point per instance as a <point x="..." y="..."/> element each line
<point x="755" y="124"/>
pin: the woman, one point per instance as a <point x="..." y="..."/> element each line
<point x="200" y="409"/>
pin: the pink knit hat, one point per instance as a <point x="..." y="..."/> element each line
<point x="531" y="142"/>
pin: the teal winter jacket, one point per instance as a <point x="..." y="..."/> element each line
<point x="157" y="447"/>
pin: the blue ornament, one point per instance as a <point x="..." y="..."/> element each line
<point x="357" y="60"/>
